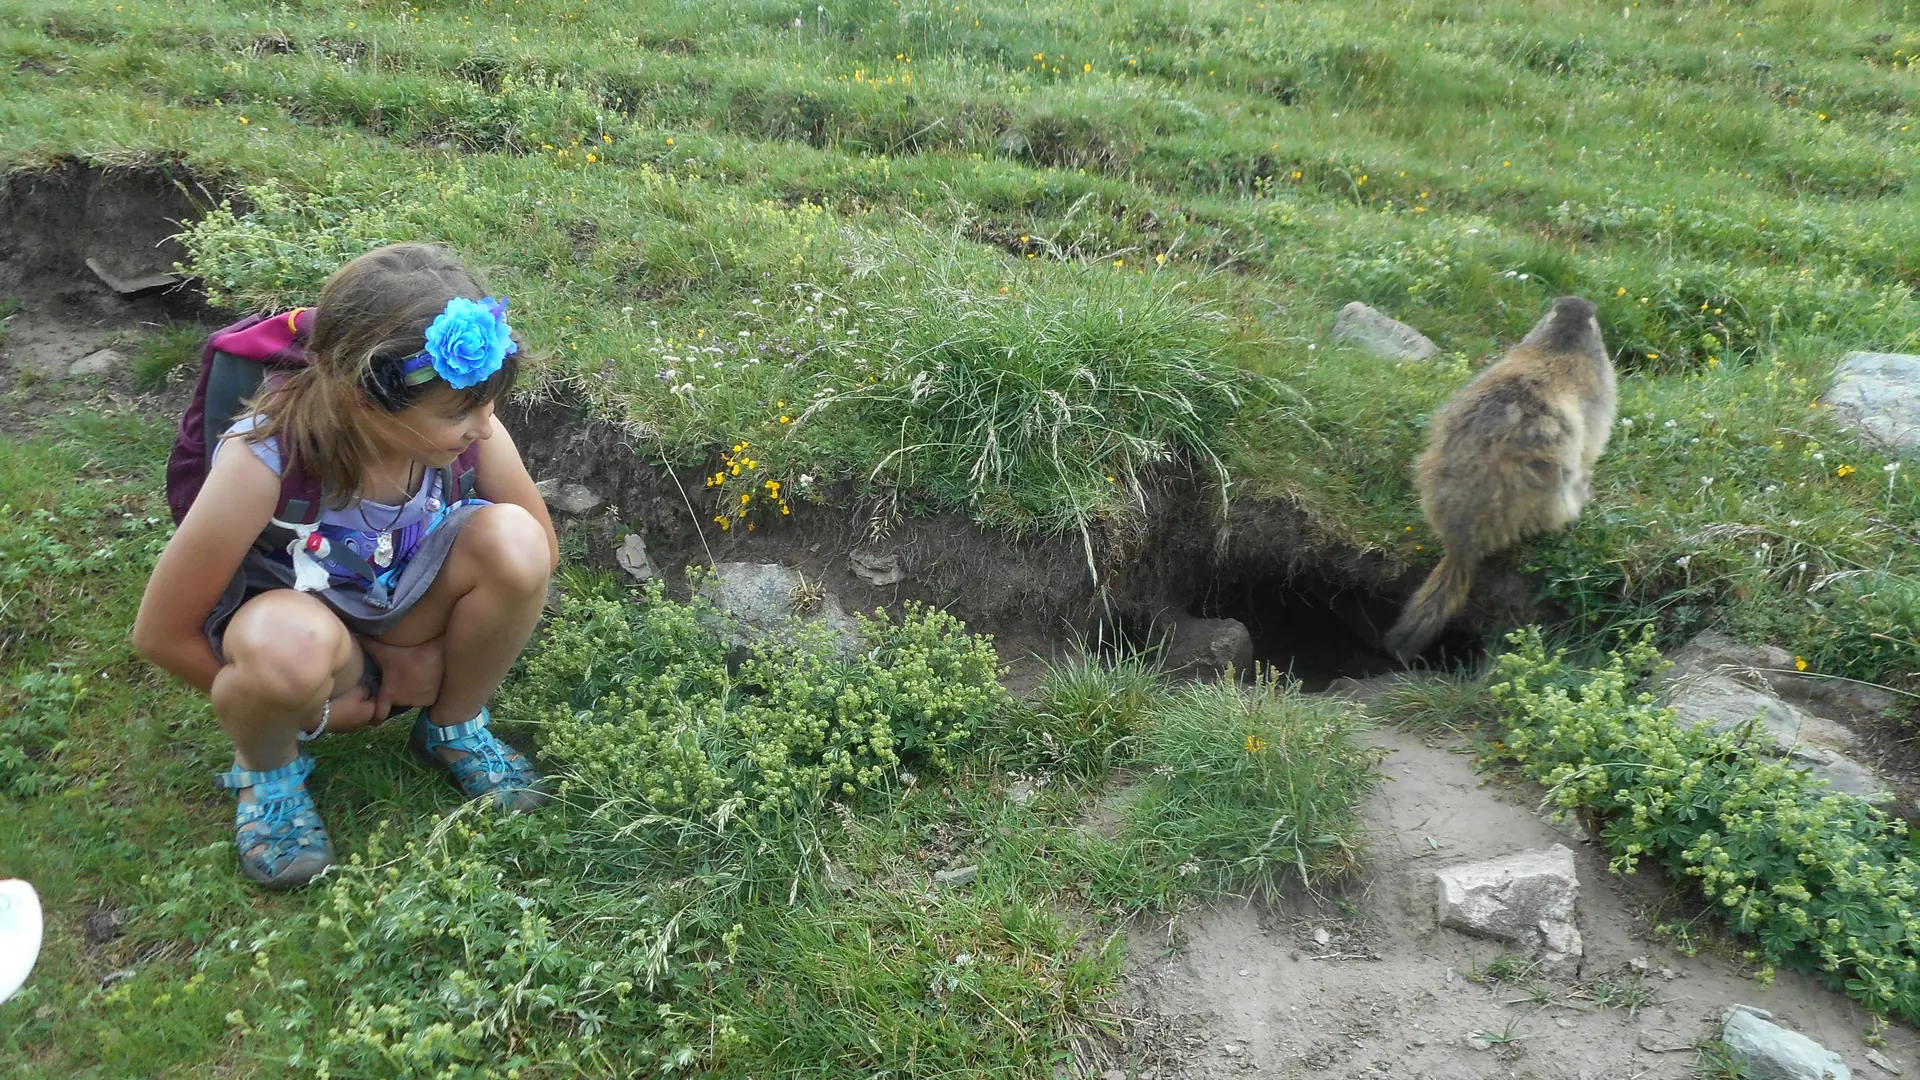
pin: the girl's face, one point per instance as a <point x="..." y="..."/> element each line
<point x="437" y="428"/>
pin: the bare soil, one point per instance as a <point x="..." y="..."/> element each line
<point x="1366" y="984"/>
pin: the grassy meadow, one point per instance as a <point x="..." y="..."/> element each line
<point x="1002" y="257"/>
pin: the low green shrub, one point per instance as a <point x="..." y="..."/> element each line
<point x="1824" y="882"/>
<point x="639" y="700"/>
<point x="35" y="710"/>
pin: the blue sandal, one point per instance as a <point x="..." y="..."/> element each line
<point x="487" y="765"/>
<point x="279" y="837"/>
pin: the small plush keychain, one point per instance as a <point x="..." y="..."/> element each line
<point x="308" y="547"/>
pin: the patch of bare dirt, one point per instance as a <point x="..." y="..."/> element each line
<point x="1365" y="985"/>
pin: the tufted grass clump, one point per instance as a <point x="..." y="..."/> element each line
<point x="1247" y="787"/>
<point x="639" y="701"/>
<point x="1822" y="882"/>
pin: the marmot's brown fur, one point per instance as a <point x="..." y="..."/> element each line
<point x="1510" y="455"/>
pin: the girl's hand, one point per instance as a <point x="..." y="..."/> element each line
<point x="410" y="675"/>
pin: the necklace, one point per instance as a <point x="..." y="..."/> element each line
<point x="383" y="542"/>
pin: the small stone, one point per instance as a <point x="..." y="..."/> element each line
<point x="1322" y="938"/>
<point x="1231" y="1050"/>
<point x="1207" y="648"/>
<point x="1880" y="393"/>
<point x="875" y="569"/>
<point x="135" y="284"/>
<point x="1244" y="973"/>
<point x="95" y="365"/>
<point x="1021" y="792"/>
<point x="1527" y="899"/>
<point x="763" y="600"/>
<point x="1770" y="1052"/>
<point x="1479" y="1042"/>
<point x="104" y="924"/>
<point x="1114" y="1074"/>
<point x="1361" y="325"/>
<point x="575" y="499"/>
<point x="1640" y="964"/>
<point x="959" y="875"/>
<point x="114" y="978"/>
<point x="633" y="558"/>
<point x="1880" y="1061"/>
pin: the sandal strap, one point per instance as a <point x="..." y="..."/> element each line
<point x="488" y="763"/>
<point x="271" y="783"/>
<point x="456" y="735"/>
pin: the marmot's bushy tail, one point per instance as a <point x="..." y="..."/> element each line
<point x="1440" y="597"/>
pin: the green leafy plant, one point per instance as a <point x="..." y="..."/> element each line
<point x="639" y="700"/>
<point x="35" y="709"/>
<point x="1822" y="882"/>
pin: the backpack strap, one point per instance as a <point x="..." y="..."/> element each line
<point x="463" y="475"/>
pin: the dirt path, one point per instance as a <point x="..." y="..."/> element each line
<point x="1366" y="985"/>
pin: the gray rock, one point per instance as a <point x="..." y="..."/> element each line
<point x="1770" y="1052"/>
<point x="959" y="875"/>
<point x="96" y="365"/>
<point x="1725" y="685"/>
<point x="766" y="600"/>
<point x="1771" y="667"/>
<point x="1207" y="647"/>
<point x="1882" y="1062"/>
<point x="632" y="558"/>
<point x="876" y="569"/>
<point x="575" y="499"/>
<point x="1880" y="394"/>
<point x="1527" y="899"/>
<point x="135" y="283"/>
<point x="1360" y="325"/>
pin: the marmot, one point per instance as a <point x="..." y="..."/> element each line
<point x="1510" y="455"/>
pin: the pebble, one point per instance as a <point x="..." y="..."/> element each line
<point x="959" y="875"/>
<point x="1880" y="1061"/>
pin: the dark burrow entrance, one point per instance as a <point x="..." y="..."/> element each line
<point x="1317" y="630"/>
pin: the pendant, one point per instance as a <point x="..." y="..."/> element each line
<point x="383" y="551"/>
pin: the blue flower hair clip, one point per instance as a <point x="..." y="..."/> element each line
<point x="466" y="344"/>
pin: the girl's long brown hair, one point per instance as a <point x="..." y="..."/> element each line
<point x="373" y="312"/>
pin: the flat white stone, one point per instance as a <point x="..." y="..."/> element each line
<point x="1880" y="394"/>
<point x="1526" y="898"/>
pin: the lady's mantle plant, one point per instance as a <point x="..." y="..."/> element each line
<point x="1825" y="882"/>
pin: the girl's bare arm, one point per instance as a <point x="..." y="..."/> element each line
<point x="503" y="478"/>
<point x="233" y="507"/>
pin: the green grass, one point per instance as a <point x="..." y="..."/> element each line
<point x="1006" y="257"/>
<point x="1012" y="258"/>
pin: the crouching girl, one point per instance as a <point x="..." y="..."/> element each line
<point x="411" y="574"/>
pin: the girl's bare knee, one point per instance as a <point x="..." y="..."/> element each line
<point x="287" y="650"/>
<point x="509" y="547"/>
